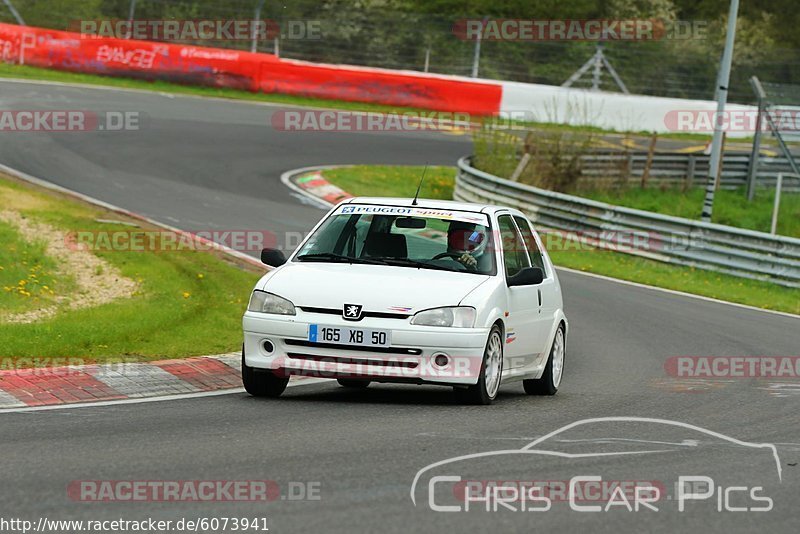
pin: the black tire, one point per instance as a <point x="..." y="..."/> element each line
<point x="352" y="383"/>
<point x="545" y="385"/>
<point x="262" y="383"/>
<point x="478" y="393"/>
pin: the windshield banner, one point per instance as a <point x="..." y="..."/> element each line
<point x="406" y="211"/>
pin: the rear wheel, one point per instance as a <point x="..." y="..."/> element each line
<point x="262" y="383"/>
<point x="485" y="391"/>
<point x="354" y="384"/>
<point x="551" y="378"/>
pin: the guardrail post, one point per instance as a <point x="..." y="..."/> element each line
<point x="649" y="163"/>
<point x="526" y="158"/>
<point x="523" y="162"/>
<point x="721" y="161"/>
<point x="623" y="168"/>
<point x="691" y="164"/>
<point x="777" y="205"/>
<point x="752" y="168"/>
<point x="630" y="167"/>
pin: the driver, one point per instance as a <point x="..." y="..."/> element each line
<point x="466" y="242"/>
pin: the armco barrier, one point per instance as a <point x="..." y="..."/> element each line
<point x="243" y="70"/>
<point x="714" y="247"/>
<point x="690" y="169"/>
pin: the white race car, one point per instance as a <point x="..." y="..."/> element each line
<point x="399" y="290"/>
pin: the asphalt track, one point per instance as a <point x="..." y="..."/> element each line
<point x="215" y="165"/>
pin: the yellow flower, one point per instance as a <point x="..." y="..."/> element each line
<point x="200" y="275"/>
<point x="186" y="294"/>
<point x="22" y="282"/>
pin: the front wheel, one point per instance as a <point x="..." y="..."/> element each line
<point x="485" y="391"/>
<point x="262" y="383"/>
<point x="551" y="378"/>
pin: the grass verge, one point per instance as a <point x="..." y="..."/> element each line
<point x="394" y="181"/>
<point x="28" y="275"/>
<point x="730" y="207"/>
<point x="366" y="180"/>
<point x="188" y="302"/>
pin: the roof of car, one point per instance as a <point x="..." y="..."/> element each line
<point x="428" y="203"/>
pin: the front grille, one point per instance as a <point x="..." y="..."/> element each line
<point x="353" y="361"/>
<point x="334" y="311"/>
<point x="359" y="348"/>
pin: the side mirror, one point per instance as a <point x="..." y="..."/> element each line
<point x="529" y="276"/>
<point x="272" y="257"/>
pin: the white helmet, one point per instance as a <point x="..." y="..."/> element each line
<point x="466" y="238"/>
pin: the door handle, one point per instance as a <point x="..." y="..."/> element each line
<point x="540" y="297"/>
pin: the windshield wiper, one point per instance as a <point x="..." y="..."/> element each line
<point x="405" y="262"/>
<point x="338" y="258"/>
<point x="399" y="262"/>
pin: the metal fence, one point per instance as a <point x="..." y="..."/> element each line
<point x="735" y="251"/>
<point x="379" y="34"/>
<point x="689" y="169"/>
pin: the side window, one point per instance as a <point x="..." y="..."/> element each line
<point x="513" y="250"/>
<point x="534" y="253"/>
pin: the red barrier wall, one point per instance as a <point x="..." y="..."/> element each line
<point x="243" y="70"/>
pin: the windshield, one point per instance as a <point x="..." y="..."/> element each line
<point x="406" y="237"/>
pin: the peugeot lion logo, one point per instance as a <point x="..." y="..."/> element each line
<point x="352" y="312"/>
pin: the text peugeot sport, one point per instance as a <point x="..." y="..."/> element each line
<point x="387" y="290"/>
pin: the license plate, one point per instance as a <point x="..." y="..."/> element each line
<point x="339" y="335"/>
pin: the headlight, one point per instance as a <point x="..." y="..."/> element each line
<point x="261" y="301"/>
<point x="459" y="317"/>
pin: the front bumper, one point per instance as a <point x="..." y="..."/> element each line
<point x="410" y="358"/>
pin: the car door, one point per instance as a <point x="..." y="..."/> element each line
<point x="523" y="303"/>
<point x="547" y="292"/>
